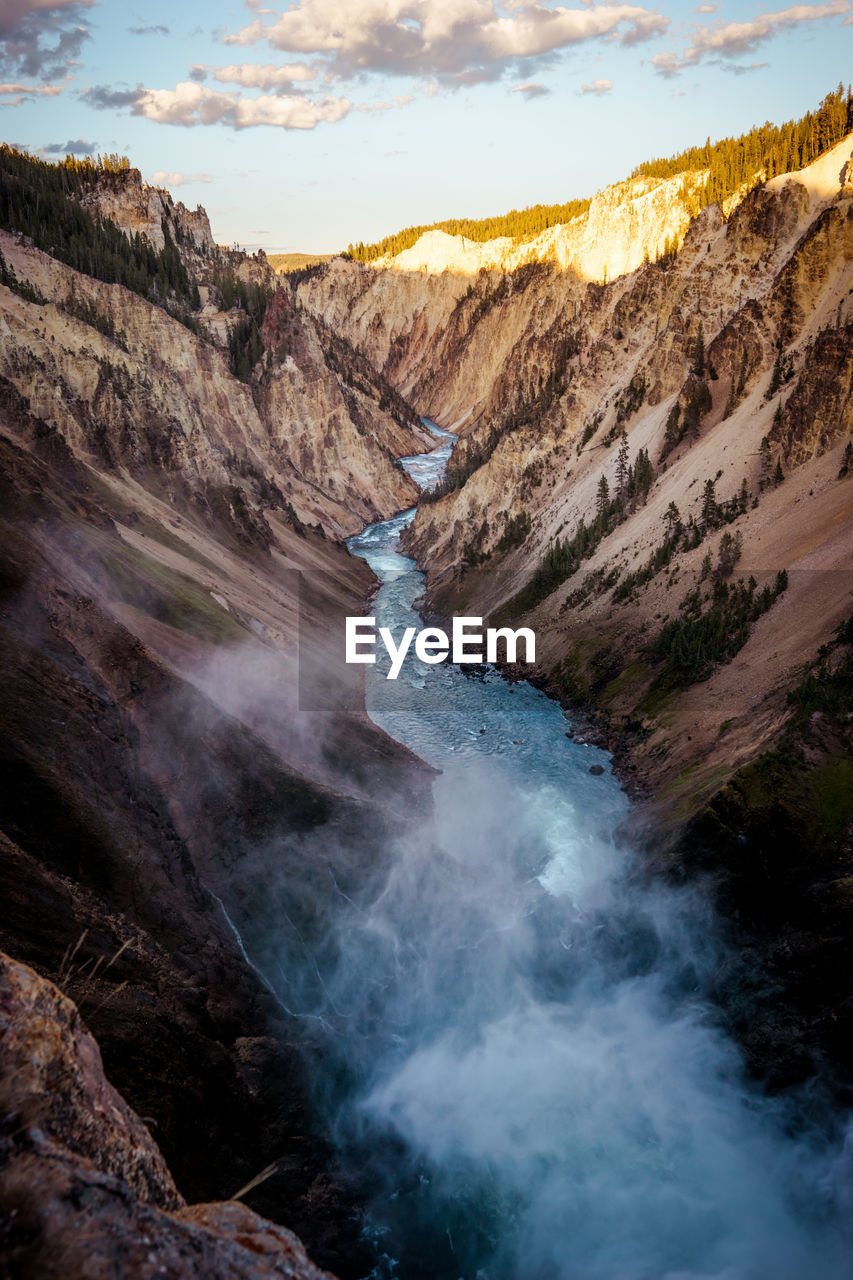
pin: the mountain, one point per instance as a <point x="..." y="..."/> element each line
<point x="169" y="532"/>
<point x="654" y="470"/>
<point x="656" y="474"/>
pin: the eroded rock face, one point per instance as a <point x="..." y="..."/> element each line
<point x="450" y="317"/>
<point x="743" y="335"/>
<point x="139" y="209"/>
<point x="129" y="387"/>
<point x="819" y="411"/>
<point x="84" y="1191"/>
<point x="53" y="1081"/>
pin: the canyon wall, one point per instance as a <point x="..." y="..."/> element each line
<point x="170" y="774"/>
<point x="656" y="474"/>
<point x="167" y="532"/>
<point x="449" y="318"/>
<point x="541" y="368"/>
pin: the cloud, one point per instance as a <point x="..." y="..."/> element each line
<point x="41" y="38"/>
<point x="531" y="90"/>
<point x="163" y="179"/>
<point x="727" y="40"/>
<point x="598" y="87"/>
<point x="250" y="75"/>
<point x="458" y="41"/>
<point x="706" y="8"/>
<point x="158" y="30"/>
<point x="74" y="147"/>
<point x="738" y="69"/>
<point x="190" y="104"/>
<point x="103" y="98"/>
<point x="44" y="90"/>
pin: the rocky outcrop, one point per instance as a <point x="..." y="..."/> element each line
<point x="139" y="209"/>
<point x="69" y="1142"/>
<point x="53" y="1082"/>
<point x="818" y="413"/>
<point x="625" y="225"/>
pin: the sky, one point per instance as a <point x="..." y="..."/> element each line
<point x="308" y="125"/>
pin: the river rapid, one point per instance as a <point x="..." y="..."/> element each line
<point x="522" y="1067"/>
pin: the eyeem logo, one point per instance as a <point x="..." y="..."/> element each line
<point x="433" y="645"/>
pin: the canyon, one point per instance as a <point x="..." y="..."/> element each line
<point x="180" y="775"/>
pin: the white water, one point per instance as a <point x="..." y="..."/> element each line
<point x="521" y="1063"/>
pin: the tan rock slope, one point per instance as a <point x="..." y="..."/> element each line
<point x="152" y="394"/>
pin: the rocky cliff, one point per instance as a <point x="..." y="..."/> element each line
<point x="130" y="387"/>
<point x="449" y="318"/>
<point x="139" y="209"/>
<point x="656" y="474"/>
<point x="739" y="339"/>
<point x="740" y="336"/>
<point x="169" y="533"/>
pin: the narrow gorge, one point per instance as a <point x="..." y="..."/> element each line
<point x="480" y="972"/>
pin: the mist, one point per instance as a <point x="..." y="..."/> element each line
<point x="529" y="1083"/>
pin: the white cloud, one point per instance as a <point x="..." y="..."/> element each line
<point x="250" y="75"/>
<point x="192" y="104"/>
<point x="728" y="40"/>
<point x="531" y="90"/>
<point x="163" y="179"/>
<point x="599" y="87"/>
<point x="459" y="41"/>
<point x="46" y="90"/>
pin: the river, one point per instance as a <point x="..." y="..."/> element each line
<point x="526" y="1073"/>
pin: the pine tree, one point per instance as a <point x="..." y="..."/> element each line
<point x="775" y="379"/>
<point x="644" y="474"/>
<point x="672" y="434"/>
<point x="730" y="550"/>
<point x="766" y="461"/>
<point x="672" y="521"/>
<point x="622" y="467"/>
<point x="602" y="501"/>
<point x="710" y="508"/>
